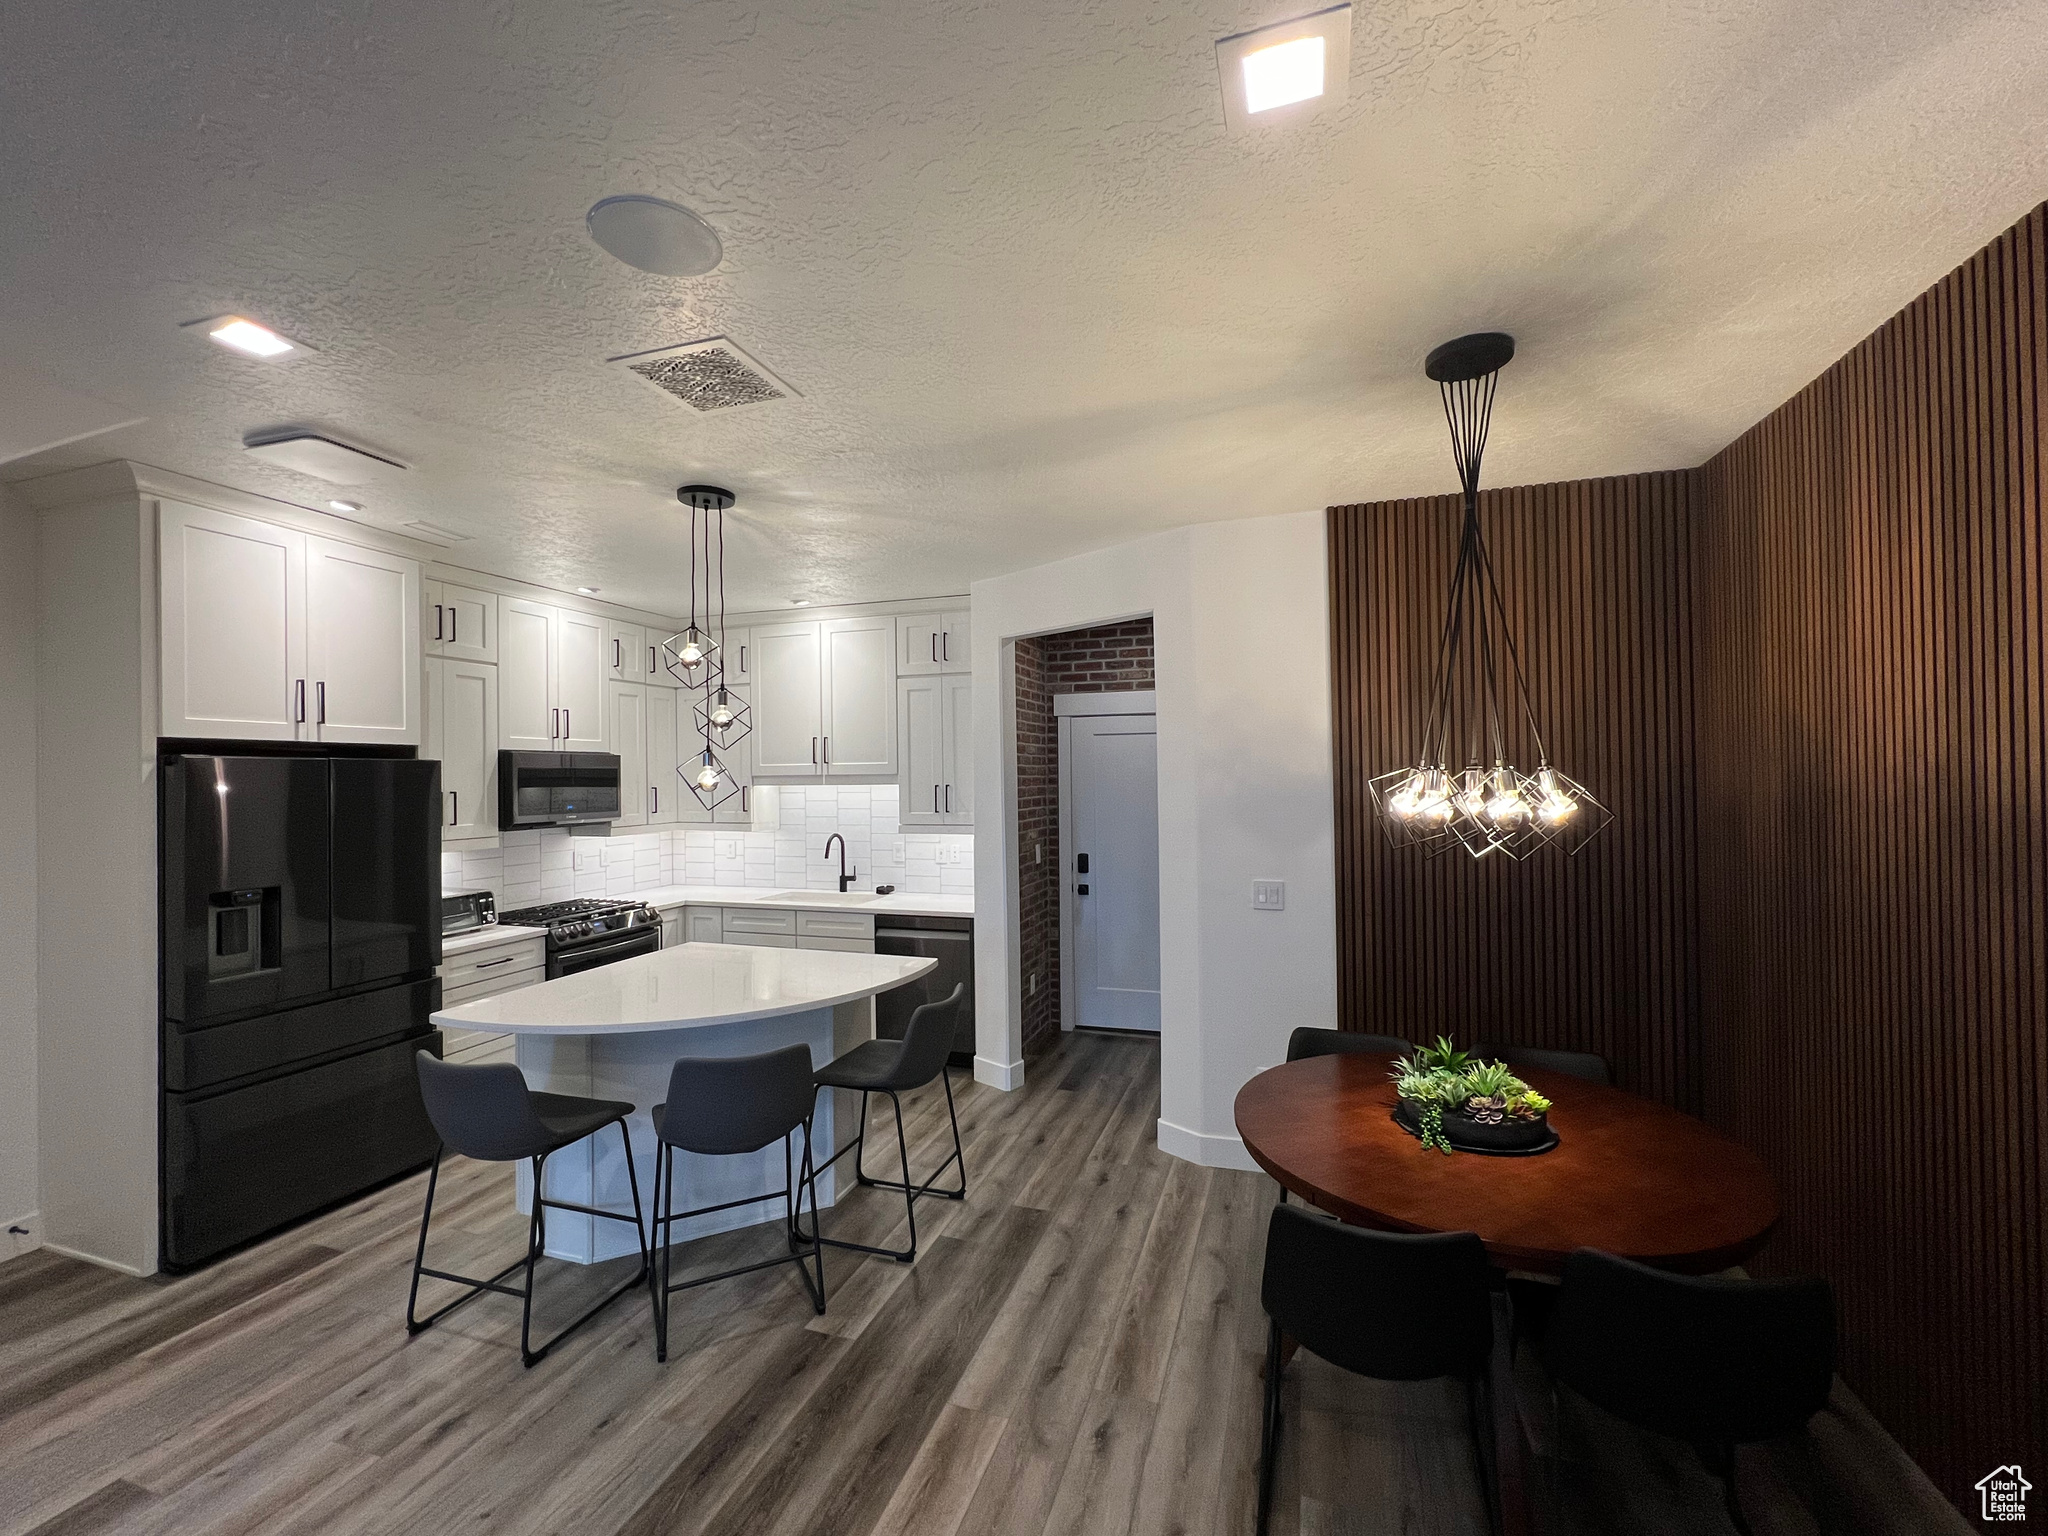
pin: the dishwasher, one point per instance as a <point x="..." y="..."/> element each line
<point x="948" y="940"/>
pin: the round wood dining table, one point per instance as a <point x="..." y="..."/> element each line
<point x="1627" y="1176"/>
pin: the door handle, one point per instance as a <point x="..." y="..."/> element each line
<point x="743" y="660"/>
<point x="454" y="625"/>
<point x="1080" y="890"/>
<point x="299" y="710"/>
<point x="650" y="661"/>
<point x="827" y="759"/>
<point x="654" y="795"/>
<point x="568" y="730"/>
<point x="485" y="965"/>
<point x="618" y="655"/>
<point x="437" y="623"/>
<point x="949" y="799"/>
<point x="946" y="647"/>
<point x="745" y="790"/>
<point x="454" y="807"/>
<point x="814" y="751"/>
<point x="935" y="645"/>
<point x="1080" y="863"/>
<point x="320" y="692"/>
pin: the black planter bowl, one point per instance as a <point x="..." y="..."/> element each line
<point x="1510" y="1138"/>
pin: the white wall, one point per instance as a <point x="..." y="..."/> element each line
<point x="18" y="1203"/>
<point x="1241" y="638"/>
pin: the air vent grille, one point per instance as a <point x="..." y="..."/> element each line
<point x="709" y="375"/>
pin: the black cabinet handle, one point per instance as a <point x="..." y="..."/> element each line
<point x="568" y="730"/>
<point x="437" y="623"/>
<point x="650" y="661"/>
<point x="946" y="647"/>
<point x="935" y="645"/>
<point x="745" y="790"/>
<point x="935" y="799"/>
<point x="454" y="807"/>
<point x="485" y="965"/>
<point x="743" y="659"/>
<point x="949" y="799"/>
<point x="320" y="691"/>
<point x="618" y="656"/>
<point x="453" y="626"/>
<point x="299" y="714"/>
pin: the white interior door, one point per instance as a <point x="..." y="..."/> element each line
<point x="363" y="643"/>
<point x="1109" y="802"/>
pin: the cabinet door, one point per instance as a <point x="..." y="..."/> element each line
<point x="662" y="787"/>
<point x="469" y="623"/>
<point x="362" y="644"/>
<point x="859" y="666"/>
<point x="956" y="633"/>
<point x="626" y="726"/>
<point x="917" y="643"/>
<point x="958" y="798"/>
<point x="462" y="732"/>
<point x="528" y="720"/>
<point x="625" y="655"/>
<point x="582" y="668"/>
<point x="651" y="669"/>
<point x="921" y="749"/>
<point x="737" y="651"/>
<point x="704" y="925"/>
<point x="233" y="617"/>
<point x="739" y="760"/>
<point x="433" y="627"/>
<point x="788" y="700"/>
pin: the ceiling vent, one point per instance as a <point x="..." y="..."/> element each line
<point x="709" y="375"/>
<point x="322" y="456"/>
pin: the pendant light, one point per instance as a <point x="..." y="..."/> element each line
<point x="1487" y="805"/>
<point x="696" y="657"/>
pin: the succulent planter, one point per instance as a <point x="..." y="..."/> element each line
<point x="1509" y="1137"/>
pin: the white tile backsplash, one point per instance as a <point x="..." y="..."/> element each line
<point x="534" y="866"/>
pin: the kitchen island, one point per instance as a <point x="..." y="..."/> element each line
<point x="613" y="1032"/>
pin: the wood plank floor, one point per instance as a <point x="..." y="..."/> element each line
<point x="1076" y="1350"/>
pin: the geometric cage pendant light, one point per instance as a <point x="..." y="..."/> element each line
<point x="695" y="657"/>
<point x="1462" y="790"/>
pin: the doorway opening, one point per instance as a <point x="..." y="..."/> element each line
<point x="1086" y="770"/>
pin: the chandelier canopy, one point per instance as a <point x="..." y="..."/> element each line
<point x="1462" y="790"/>
<point x="695" y="658"/>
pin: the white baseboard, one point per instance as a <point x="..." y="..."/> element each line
<point x="997" y="1075"/>
<point x="1208" y="1151"/>
<point x="93" y="1258"/>
<point x="14" y="1244"/>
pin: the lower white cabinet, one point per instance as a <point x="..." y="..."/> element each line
<point x="934" y="728"/>
<point x="703" y="925"/>
<point x="485" y="971"/>
<point x="462" y="732"/>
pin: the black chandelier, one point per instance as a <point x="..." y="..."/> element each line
<point x="1486" y="805"/>
<point x="695" y="658"/>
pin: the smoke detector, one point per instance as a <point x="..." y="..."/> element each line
<point x="709" y="375"/>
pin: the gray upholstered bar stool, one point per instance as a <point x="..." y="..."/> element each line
<point x="487" y="1112"/>
<point x="894" y="1067"/>
<point x="722" y="1106"/>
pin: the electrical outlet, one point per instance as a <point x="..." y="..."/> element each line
<point x="1034" y="983"/>
<point x="1269" y="895"/>
<point x="1038" y="853"/>
<point x="729" y="848"/>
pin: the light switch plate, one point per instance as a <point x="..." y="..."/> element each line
<point x="1269" y="895"/>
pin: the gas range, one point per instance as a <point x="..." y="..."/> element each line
<point x="590" y="932"/>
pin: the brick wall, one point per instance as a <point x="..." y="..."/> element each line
<point x="1110" y="658"/>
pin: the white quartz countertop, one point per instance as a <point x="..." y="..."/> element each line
<point x="689" y="986"/>
<point x="453" y="944"/>
<point x="899" y="904"/>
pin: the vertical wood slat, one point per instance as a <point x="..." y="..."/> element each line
<point x="1811" y="677"/>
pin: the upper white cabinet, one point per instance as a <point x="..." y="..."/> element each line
<point x="737" y="653"/>
<point x="626" y="725"/>
<point x="931" y="642"/>
<point x="824" y="699"/>
<point x="553" y="670"/>
<point x="461" y="622"/>
<point x="269" y="634"/>
<point x="625" y="652"/>
<point x="933" y="719"/>
<point x="362" y="644"/>
<point x="462" y="732"/>
<point x="662" y="787"/>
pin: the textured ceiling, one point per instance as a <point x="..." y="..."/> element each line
<point x="1034" y="297"/>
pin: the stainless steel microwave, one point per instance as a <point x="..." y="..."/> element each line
<point x="557" y="789"/>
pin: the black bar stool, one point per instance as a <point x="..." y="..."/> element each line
<point x="488" y="1113"/>
<point x="893" y="1067"/>
<point x="721" y="1106"/>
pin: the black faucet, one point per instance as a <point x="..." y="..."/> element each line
<point x="844" y="878"/>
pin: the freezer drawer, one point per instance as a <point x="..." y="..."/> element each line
<point x="220" y="1053"/>
<point x="239" y="1163"/>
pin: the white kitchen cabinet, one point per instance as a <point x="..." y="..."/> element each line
<point x="461" y="731"/>
<point x="553" y="672"/>
<point x="738" y="758"/>
<point x="704" y="925"/>
<point x="934" y="716"/>
<point x="269" y="634"/>
<point x="625" y="655"/>
<point x="930" y="643"/>
<point x="737" y="652"/>
<point x="362" y="644"/>
<point x="824" y="699"/>
<point x="460" y="622"/>
<point x="626" y="726"/>
<point x="789" y="700"/>
<point x="661" y="785"/>
<point x="233" y="613"/>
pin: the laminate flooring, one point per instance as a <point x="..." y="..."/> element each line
<point x="1077" y="1350"/>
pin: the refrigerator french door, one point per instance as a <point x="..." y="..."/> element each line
<point x="300" y="928"/>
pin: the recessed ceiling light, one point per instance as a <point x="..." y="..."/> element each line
<point x="654" y="235"/>
<point x="589" y="591"/>
<point x="800" y="602"/>
<point x="346" y="506"/>
<point x="239" y="334"/>
<point x="1288" y="71"/>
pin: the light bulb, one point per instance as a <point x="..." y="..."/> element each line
<point x="1555" y="807"/>
<point x="708" y="773"/>
<point x="690" y="654"/>
<point x="1436" y="805"/>
<point x="1472" y="798"/>
<point x="721" y="710"/>
<point x="1405" y="804"/>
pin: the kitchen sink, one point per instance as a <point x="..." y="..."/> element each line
<point x="824" y="898"/>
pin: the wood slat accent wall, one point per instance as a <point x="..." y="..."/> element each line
<point x="1594" y="952"/>
<point x="1809" y="676"/>
<point x="1872" y="805"/>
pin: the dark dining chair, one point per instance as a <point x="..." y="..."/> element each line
<point x="893" y="1067"/>
<point x="1309" y="1041"/>
<point x="1584" y="1065"/>
<point x="1386" y="1305"/>
<point x="487" y="1112"/>
<point x="1717" y="1362"/>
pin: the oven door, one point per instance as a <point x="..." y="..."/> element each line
<point x="619" y="946"/>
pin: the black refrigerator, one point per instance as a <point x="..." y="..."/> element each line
<point x="300" y="928"/>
